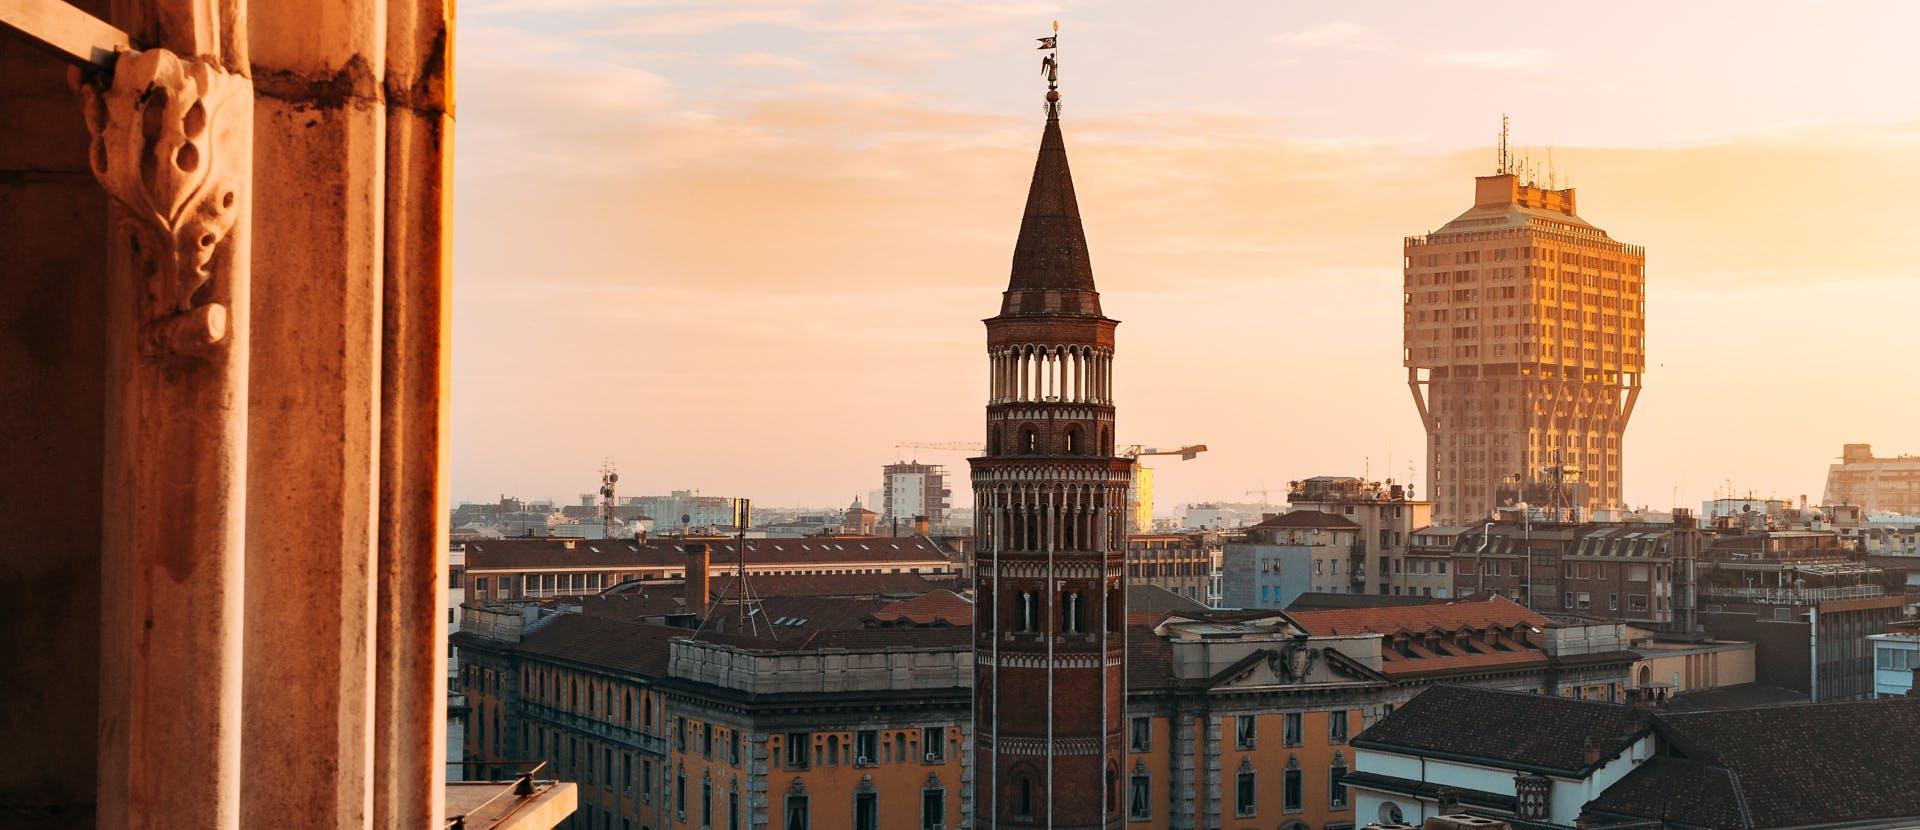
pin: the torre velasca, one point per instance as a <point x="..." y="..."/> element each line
<point x="1525" y="342"/>
<point x="1050" y="500"/>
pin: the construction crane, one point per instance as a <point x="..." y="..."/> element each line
<point x="1186" y="453"/>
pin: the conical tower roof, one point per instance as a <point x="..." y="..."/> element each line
<point x="1052" y="273"/>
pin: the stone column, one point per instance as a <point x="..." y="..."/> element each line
<point x="172" y="145"/>
<point x="415" y="394"/>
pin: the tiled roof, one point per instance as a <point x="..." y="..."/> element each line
<point x="1495" y="612"/>
<point x="1739" y="696"/>
<point x="1050" y="253"/>
<point x="1813" y="764"/>
<point x="1682" y="793"/>
<point x="832" y="585"/>
<point x="603" y="641"/>
<point x="1309" y="518"/>
<point x="1149" y="659"/>
<point x="1314" y="601"/>
<point x="525" y="553"/>
<point x="942" y="606"/>
<point x="1478" y="726"/>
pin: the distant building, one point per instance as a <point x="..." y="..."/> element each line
<point x="1639" y="573"/>
<point x="1667" y="667"/>
<point x="1878" y="485"/>
<point x="1179" y="562"/>
<point x="1896" y="661"/>
<point x="690" y="509"/>
<point x="1388" y="517"/>
<point x="1808" y="603"/>
<point x="910" y="490"/>
<point x="1215" y="515"/>
<point x="1292" y="554"/>
<point x="521" y="569"/>
<point x="1525" y="340"/>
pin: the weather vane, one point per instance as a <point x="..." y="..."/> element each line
<point x="1050" y="67"/>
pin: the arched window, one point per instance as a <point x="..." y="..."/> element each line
<point x="1646" y="675"/>
<point x="1023" y="796"/>
<point x="1029" y="440"/>
<point x="1074" y="444"/>
<point x="1113" y="788"/>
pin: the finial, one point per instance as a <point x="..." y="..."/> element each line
<point x="1050" y="67"/>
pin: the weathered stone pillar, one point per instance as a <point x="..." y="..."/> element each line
<point x="410" y="670"/>
<point x="172" y="146"/>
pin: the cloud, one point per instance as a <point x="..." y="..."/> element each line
<point x="766" y="60"/>
<point x="1517" y="58"/>
<point x="1337" y="34"/>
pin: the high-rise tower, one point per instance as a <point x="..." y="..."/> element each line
<point x="1525" y="341"/>
<point x="1050" y="501"/>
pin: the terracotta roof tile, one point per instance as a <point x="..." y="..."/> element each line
<point x="932" y="607"/>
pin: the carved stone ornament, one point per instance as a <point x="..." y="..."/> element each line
<point x="1294" y="665"/>
<point x="173" y="143"/>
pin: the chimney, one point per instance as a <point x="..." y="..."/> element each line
<point x="1914" y="690"/>
<point x="922" y="526"/>
<point x="696" y="585"/>
<point x="1594" y="750"/>
<point x="1446" y="800"/>
<point x="1532" y="796"/>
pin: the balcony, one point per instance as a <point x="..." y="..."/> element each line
<point x="645" y="742"/>
<point x="524" y="803"/>
<point x="1793" y="596"/>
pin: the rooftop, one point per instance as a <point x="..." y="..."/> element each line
<point x="1779" y="766"/>
<point x="558" y="553"/>
<point x="1478" y="726"/>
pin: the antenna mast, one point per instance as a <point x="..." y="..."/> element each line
<point x="1505" y="166"/>
<point x="608" y="478"/>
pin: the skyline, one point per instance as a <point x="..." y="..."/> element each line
<point x="761" y="165"/>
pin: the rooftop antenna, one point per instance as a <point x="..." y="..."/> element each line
<point x="1504" y="168"/>
<point x="1551" y="178"/>
<point x="608" y="478"/>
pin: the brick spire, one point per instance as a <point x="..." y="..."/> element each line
<point x="1052" y="273"/>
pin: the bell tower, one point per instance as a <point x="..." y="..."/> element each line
<point x="1050" y="506"/>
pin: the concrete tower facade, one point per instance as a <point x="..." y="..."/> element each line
<point x="1525" y="343"/>
<point x="1050" y="501"/>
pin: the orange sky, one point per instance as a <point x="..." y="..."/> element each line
<point x="746" y="248"/>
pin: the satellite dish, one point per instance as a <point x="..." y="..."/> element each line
<point x="684" y="518"/>
<point x="613" y="478"/>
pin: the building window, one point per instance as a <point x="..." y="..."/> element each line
<point x="1336" y="785"/>
<point x="1293" y="786"/>
<point x="1026" y="612"/>
<point x="1246" y="728"/>
<point x="1140" y="795"/>
<point x="680" y="793"/>
<point x="706" y="802"/>
<point x="1142" y="732"/>
<point x="796" y="811"/>
<point x="933" y="744"/>
<point x="933" y="808"/>
<point x="1023" y="797"/>
<point x="1337" y="727"/>
<point x="1294" y="729"/>
<point x="866" y="747"/>
<point x="733" y="809"/>
<point x="866" y="811"/>
<point x="1243" y="793"/>
<point x="480" y="587"/>
<point x="799" y="746"/>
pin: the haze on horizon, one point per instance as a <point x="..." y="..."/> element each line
<point x="745" y="249"/>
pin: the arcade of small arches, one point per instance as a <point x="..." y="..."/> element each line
<point x="1051" y="517"/>
<point x="1051" y="373"/>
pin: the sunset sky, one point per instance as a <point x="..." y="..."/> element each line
<point x="745" y="248"/>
